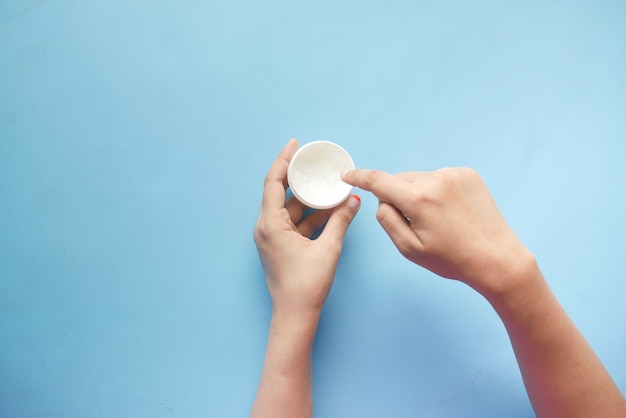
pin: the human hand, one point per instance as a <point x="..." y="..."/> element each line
<point x="299" y="271"/>
<point x="299" y="274"/>
<point x="447" y="222"/>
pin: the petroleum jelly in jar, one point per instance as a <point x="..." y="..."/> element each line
<point x="314" y="174"/>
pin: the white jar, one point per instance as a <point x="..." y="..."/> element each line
<point x="314" y="174"/>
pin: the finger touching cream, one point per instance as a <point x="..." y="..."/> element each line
<point x="314" y="174"/>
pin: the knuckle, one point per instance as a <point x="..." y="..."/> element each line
<point x="468" y="172"/>
<point x="261" y="232"/>
<point x="416" y="199"/>
<point x="383" y="213"/>
<point x="439" y="186"/>
<point x="405" y="247"/>
<point x="463" y="174"/>
<point x="257" y="236"/>
<point x="443" y="179"/>
<point x="472" y="176"/>
<point x="344" y="219"/>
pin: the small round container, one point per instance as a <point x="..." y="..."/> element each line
<point x="314" y="174"/>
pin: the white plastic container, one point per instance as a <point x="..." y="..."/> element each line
<point x="314" y="174"/>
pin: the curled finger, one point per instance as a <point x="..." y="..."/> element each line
<point x="296" y="209"/>
<point x="313" y="222"/>
<point x="398" y="227"/>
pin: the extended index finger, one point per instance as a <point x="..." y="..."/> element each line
<point x="276" y="179"/>
<point x="386" y="187"/>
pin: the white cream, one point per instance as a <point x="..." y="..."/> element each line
<point x="314" y="171"/>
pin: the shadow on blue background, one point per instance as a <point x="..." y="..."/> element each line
<point x="134" y="137"/>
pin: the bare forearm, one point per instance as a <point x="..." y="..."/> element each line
<point x="562" y="374"/>
<point x="285" y="389"/>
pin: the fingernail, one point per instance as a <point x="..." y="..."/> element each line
<point x="354" y="201"/>
<point x="342" y="175"/>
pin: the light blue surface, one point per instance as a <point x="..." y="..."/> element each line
<point x="134" y="137"/>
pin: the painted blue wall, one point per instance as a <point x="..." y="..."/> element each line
<point x="134" y="137"/>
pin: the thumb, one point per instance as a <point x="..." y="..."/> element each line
<point x="340" y="219"/>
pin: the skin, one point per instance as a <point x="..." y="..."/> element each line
<point x="445" y="221"/>
<point x="299" y="274"/>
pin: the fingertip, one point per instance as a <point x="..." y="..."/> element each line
<point x="292" y="146"/>
<point x="354" y="201"/>
<point x="289" y="150"/>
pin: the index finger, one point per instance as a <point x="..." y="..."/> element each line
<point x="276" y="179"/>
<point x="386" y="187"/>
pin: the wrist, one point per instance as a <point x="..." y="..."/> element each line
<point x="299" y="324"/>
<point x="519" y="285"/>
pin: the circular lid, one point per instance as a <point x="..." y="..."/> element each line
<point x="313" y="174"/>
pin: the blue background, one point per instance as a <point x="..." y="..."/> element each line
<point x="134" y="138"/>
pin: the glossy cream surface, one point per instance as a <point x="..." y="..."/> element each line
<point x="314" y="174"/>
